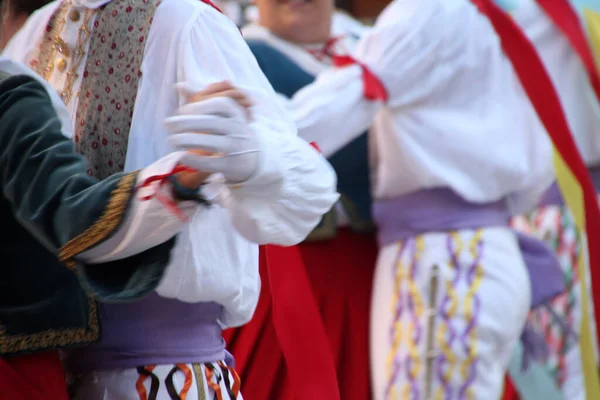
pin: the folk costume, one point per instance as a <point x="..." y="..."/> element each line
<point x="116" y="64"/>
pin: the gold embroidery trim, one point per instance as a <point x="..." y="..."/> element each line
<point x="57" y="27"/>
<point x="62" y="47"/>
<point x="82" y="38"/>
<point x="105" y="225"/>
<point x="53" y="338"/>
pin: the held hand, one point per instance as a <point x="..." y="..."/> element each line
<point x="191" y="180"/>
<point x="220" y="89"/>
<point x="214" y="132"/>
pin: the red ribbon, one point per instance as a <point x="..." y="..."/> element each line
<point x="167" y="201"/>
<point x="299" y="327"/>
<point x="374" y="89"/>
<point x="565" y="18"/>
<point x="298" y="324"/>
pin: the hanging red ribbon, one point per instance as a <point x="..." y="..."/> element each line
<point x="290" y="322"/>
<point x="298" y="324"/>
<point x="299" y="327"/>
<point x="373" y="88"/>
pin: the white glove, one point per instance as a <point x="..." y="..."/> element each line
<point x="219" y="126"/>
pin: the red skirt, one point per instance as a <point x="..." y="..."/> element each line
<point x="341" y="274"/>
<point x="33" y="377"/>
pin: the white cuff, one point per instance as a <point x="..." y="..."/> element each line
<point x="283" y="202"/>
<point x="147" y="223"/>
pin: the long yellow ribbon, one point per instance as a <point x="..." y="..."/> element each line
<point x="573" y="195"/>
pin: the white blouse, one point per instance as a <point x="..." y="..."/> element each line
<point x="456" y="117"/>
<point x="568" y="74"/>
<point x="216" y="258"/>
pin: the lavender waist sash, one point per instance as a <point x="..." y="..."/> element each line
<point x="440" y="210"/>
<point x="553" y="196"/>
<point x="151" y="331"/>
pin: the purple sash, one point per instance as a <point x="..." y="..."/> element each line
<point x="153" y="330"/>
<point x="438" y="210"/>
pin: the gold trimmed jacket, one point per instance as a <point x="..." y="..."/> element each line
<point x="51" y="210"/>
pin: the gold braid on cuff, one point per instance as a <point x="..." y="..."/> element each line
<point x="106" y="224"/>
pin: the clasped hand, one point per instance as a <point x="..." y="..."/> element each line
<point x="212" y="128"/>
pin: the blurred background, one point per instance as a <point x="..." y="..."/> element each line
<point x="242" y="11"/>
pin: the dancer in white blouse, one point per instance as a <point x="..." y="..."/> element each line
<point x="458" y="149"/>
<point x="116" y="65"/>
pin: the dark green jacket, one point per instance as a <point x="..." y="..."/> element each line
<point x="51" y="211"/>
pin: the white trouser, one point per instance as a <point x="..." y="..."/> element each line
<point x="454" y="341"/>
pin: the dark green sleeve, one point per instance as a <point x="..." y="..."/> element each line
<point x="46" y="185"/>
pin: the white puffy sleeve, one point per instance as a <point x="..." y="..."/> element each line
<point x="294" y="185"/>
<point x="400" y="50"/>
<point x="333" y="111"/>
